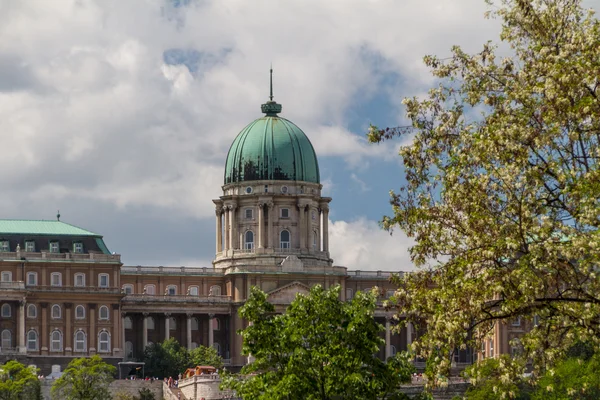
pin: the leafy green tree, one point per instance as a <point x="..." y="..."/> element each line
<point x="165" y="359"/>
<point x="203" y="355"/>
<point x="146" y="394"/>
<point x="502" y="187"/>
<point x="320" y="348"/>
<point x="574" y="378"/>
<point x="496" y="379"/>
<point x="84" y="379"/>
<point x="18" y="382"/>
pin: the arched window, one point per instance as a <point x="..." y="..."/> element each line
<point x="56" y="341"/>
<point x="103" y="280"/>
<point x="80" y="312"/>
<point x="128" y="350"/>
<point x="392" y="350"/>
<point x="150" y="323"/>
<point x="315" y="243"/>
<point x="249" y="240"/>
<point x="31" y="311"/>
<point x="349" y="294"/>
<point x="284" y="239"/>
<point x="150" y="289"/>
<point x="32" y="340"/>
<point x="80" y="342"/>
<point x="217" y="347"/>
<point x="6" y="339"/>
<point x="80" y="279"/>
<point x="172" y="324"/>
<point x="216" y="324"/>
<point x="56" y="312"/>
<point x="171" y="290"/>
<point x="215" y="290"/>
<point x="128" y="323"/>
<point x="193" y="291"/>
<point x="104" y="342"/>
<point x="32" y="278"/>
<point x="128" y="289"/>
<point x="103" y="313"/>
<point x="6" y="310"/>
<point x="195" y="325"/>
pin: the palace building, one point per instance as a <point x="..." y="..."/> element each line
<point x="63" y="294"/>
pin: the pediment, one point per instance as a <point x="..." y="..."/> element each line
<point x="287" y="293"/>
<point x="291" y="264"/>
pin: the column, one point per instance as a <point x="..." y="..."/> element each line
<point x="189" y="331"/>
<point x="388" y="347"/>
<point x="309" y="240"/>
<point x="145" y="330"/>
<point x="21" y="319"/>
<point x="227" y="242"/>
<point x="270" y="243"/>
<point x="44" y="329"/>
<point x="325" y="230"/>
<point x="233" y="232"/>
<point x="210" y="330"/>
<point x="167" y="327"/>
<point x="122" y="344"/>
<point x="409" y="331"/>
<point x="219" y="228"/>
<point x="260" y="225"/>
<point x="92" y="333"/>
<point x="68" y="334"/>
<point x="301" y="227"/>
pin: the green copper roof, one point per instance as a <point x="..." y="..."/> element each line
<point x="271" y="148"/>
<point x="41" y="227"/>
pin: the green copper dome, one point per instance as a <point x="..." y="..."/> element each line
<point x="271" y="148"/>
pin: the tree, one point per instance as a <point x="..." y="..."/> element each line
<point x="84" y="379"/>
<point x="18" y="382"/>
<point x="203" y="355"/>
<point x="165" y="359"/>
<point x="321" y="348"/>
<point x="575" y="378"/>
<point x="502" y="188"/>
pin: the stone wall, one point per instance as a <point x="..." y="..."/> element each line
<point x="200" y="387"/>
<point x="118" y="386"/>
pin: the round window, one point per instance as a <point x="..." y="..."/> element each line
<point x="249" y="189"/>
<point x="284" y="189"/>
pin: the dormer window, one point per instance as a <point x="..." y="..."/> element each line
<point x="53" y="247"/>
<point x="248" y="213"/>
<point x="77" y="247"/>
<point x="4" y="245"/>
<point x="29" y="245"/>
<point x="285" y="213"/>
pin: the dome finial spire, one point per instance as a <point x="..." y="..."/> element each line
<point x="271" y="95"/>
<point x="271" y="108"/>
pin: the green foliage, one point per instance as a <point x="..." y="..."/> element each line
<point x="575" y="378"/>
<point x="84" y="379"/>
<point x="18" y="382"/>
<point x="169" y="358"/>
<point x="502" y="188"/>
<point x="497" y="378"/>
<point x="202" y="355"/>
<point x="320" y="348"/>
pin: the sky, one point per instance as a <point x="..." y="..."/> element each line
<point x="120" y="113"/>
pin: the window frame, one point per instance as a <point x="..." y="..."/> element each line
<point x="248" y="245"/>
<point x="29" y="313"/>
<point x="107" y="277"/>
<point x="128" y="286"/>
<point x="171" y="290"/>
<point x="57" y="274"/>
<point x="30" y="243"/>
<point x="30" y="340"/>
<point x="351" y="292"/>
<point x="56" y="307"/>
<point x="128" y="323"/>
<point x="285" y="244"/>
<point x="76" y="341"/>
<point x="3" y="339"/>
<point x="516" y="322"/>
<point x="35" y="278"/>
<point x="102" y="342"/>
<point x="80" y="307"/>
<point x="192" y="289"/>
<point x="215" y="290"/>
<point x="4" y="246"/>
<point x="248" y="213"/>
<point x="5" y="274"/>
<point x="58" y="341"/>
<point x="6" y="311"/>
<point x="75" y="278"/>
<point x="78" y="247"/>
<point x="284" y="210"/>
<point x="146" y="287"/>
<point x="100" y="316"/>
<point x="54" y="247"/>
<point x="172" y="324"/>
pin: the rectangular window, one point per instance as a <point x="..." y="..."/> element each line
<point x="6" y="276"/>
<point x="80" y="280"/>
<point x="103" y="280"/>
<point x="248" y="213"/>
<point x="56" y="279"/>
<point x="53" y="247"/>
<point x="285" y="213"/>
<point x="516" y="321"/>
<point x="29" y="245"/>
<point x="77" y="247"/>
<point x="266" y="188"/>
<point x="4" y="245"/>
<point x="32" y="278"/>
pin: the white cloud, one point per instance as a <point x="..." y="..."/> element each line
<point x="362" y="245"/>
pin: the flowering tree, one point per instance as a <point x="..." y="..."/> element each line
<point x="503" y="186"/>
